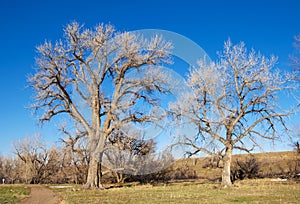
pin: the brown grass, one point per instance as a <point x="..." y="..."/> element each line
<point x="248" y="191"/>
<point x="270" y="164"/>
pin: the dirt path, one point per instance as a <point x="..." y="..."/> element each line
<point x="40" y="195"/>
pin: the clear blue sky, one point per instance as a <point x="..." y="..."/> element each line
<point x="268" y="26"/>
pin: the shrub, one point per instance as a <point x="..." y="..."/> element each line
<point x="245" y="169"/>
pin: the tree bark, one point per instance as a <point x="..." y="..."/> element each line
<point x="226" y="181"/>
<point x="120" y="178"/>
<point x="93" y="177"/>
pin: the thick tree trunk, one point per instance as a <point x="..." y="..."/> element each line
<point x="226" y="181"/>
<point x="94" y="168"/>
<point x="93" y="177"/>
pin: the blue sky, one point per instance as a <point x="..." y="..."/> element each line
<point x="267" y="26"/>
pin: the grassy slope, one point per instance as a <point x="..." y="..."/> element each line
<point x="270" y="163"/>
<point x="13" y="193"/>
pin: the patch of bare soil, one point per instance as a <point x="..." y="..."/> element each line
<point x="40" y="195"/>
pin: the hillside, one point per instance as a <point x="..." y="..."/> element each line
<point x="270" y="164"/>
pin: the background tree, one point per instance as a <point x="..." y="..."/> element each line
<point x="111" y="73"/>
<point x="249" y="168"/>
<point x="294" y="165"/>
<point x="128" y="153"/>
<point x="11" y="170"/>
<point x="296" y="56"/>
<point x="33" y="154"/>
<point x="233" y="103"/>
<point x="2" y="168"/>
<point x="75" y="156"/>
<point x="53" y="166"/>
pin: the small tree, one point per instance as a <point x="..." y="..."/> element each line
<point x="245" y="169"/>
<point x="233" y="102"/>
<point x="297" y="147"/>
<point x="295" y="166"/>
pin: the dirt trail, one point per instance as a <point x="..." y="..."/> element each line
<point x="40" y="195"/>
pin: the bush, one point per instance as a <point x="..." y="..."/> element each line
<point x="245" y="169"/>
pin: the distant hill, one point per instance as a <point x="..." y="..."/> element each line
<point x="270" y="164"/>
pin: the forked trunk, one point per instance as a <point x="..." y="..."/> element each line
<point x="94" y="173"/>
<point x="226" y="181"/>
<point x="120" y="177"/>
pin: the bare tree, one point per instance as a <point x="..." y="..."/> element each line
<point x="233" y="103"/>
<point x="296" y="56"/>
<point x="52" y="172"/>
<point x="297" y="147"/>
<point x="294" y="166"/>
<point x="248" y="168"/>
<point x="75" y="156"/>
<point x="10" y="170"/>
<point x="2" y="175"/>
<point x="34" y="155"/>
<point x="129" y="155"/>
<point x="111" y="72"/>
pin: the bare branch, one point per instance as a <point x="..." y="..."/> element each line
<point x="99" y="68"/>
<point x="235" y="99"/>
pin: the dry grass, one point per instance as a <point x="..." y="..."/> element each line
<point x="13" y="193"/>
<point x="270" y="163"/>
<point x="192" y="191"/>
<point x="248" y="191"/>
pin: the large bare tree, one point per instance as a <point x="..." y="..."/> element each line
<point x="233" y="103"/>
<point x="114" y="74"/>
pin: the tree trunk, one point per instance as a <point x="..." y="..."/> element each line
<point x="226" y="181"/>
<point x="120" y="178"/>
<point x="93" y="177"/>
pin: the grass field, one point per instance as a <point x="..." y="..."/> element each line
<point x="247" y="191"/>
<point x="13" y="193"/>
<point x="186" y="191"/>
